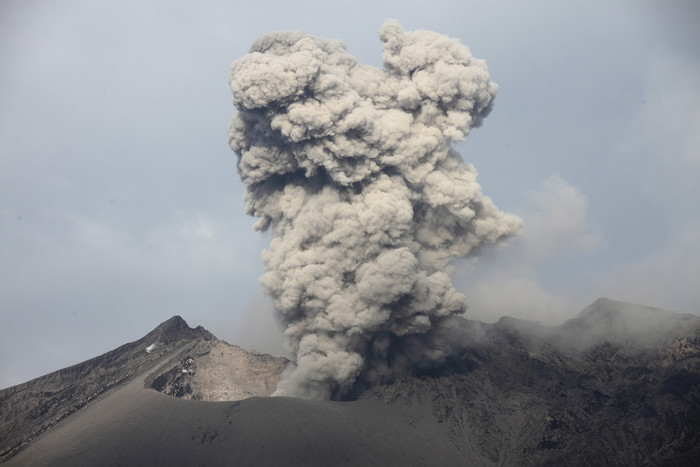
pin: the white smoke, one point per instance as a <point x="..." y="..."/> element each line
<point x="351" y="169"/>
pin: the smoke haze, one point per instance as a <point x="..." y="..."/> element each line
<point x="350" y="168"/>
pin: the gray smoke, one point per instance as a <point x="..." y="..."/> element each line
<point x="350" y="168"/>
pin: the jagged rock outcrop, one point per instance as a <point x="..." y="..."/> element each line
<point x="219" y="371"/>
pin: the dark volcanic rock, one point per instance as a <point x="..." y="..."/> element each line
<point x="175" y="330"/>
<point x="617" y="385"/>
<point x="29" y="409"/>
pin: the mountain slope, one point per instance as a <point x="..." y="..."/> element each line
<point x="617" y="385"/>
<point x="137" y="426"/>
<point x="28" y="410"/>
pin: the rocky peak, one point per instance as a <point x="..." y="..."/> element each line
<point x="617" y="322"/>
<point x="29" y="409"/>
<point x="176" y="329"/>
<point x="607" y="311"/>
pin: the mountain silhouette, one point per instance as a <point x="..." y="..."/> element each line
<point x="617" y="385"/>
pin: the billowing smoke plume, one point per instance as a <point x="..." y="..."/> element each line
<point x="351" y="169"/>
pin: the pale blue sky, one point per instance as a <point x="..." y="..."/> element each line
<point x="120" y="204"/>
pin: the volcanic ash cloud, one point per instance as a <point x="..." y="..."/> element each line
<point x="350" y="168"/>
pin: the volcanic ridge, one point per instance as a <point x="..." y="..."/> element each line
<point x="617" y="385"/>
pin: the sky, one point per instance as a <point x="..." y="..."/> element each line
<point x="121" y="206"/>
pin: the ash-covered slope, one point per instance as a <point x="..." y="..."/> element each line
<point x="617" y="385"/>
<point x="137" y="426"/>
<point x="29" y="409"/>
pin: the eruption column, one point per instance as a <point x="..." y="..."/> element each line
<point x="350" y="168"/>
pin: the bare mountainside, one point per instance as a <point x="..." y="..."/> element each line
<point x="617" y="385"/>
<point x="170" y="356"/>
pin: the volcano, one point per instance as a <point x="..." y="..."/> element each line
<point x="617" y="385"/>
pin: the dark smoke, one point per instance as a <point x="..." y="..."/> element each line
<point x="351" y="169"/>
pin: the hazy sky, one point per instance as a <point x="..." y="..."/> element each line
<point x="120" y="204"/>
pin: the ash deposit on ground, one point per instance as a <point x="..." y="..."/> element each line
<point x="350" y="168"/>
